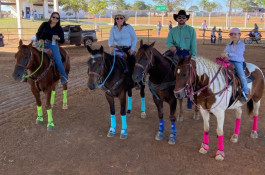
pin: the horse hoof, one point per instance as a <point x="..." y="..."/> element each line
<point x="65" y="106"/>
<point x="38" y="122"/>
<point x="196" y="117"/>
<point x="122" y="136"/>
<point x="143" y="115"/>
<point x="110" y="134"/>
<point x="220" y="155"/>
<point x="203" y="151"/>
<point x="234" y="138"/>
<point x="254" y="134"/>
<point x="180" y="119"/>
<point x="172" y="139"/>
<point x="50" y="128"/>
<point x="52" y="105"/>
<point x="159" y="135"/>
<point x="204" y="148"/>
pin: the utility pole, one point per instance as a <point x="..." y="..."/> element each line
<point x="230" y="14"/>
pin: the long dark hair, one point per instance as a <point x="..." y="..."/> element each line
<point x="59" y="21"/>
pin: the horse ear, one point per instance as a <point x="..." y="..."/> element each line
<point x="20" y="42"/>
<point x="30" y="44"/>
<point x="89" y="49"/>
<point x="141" y="43"/>
<point x="101" y="49"/>
<point x="152" y="45"/>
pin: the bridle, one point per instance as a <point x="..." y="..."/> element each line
<point x="99" y="76"/>
<point x="26" y="59"/>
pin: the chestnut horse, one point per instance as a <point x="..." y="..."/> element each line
<point x="161" y="84"/>
<point x="103" y="67"/>
<point x="209" y="81"/>
<point x="42" y="77"/>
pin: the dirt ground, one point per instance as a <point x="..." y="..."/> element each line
<point x="79" y="145"/>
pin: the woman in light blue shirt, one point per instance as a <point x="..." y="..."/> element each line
<point x="123" y="37"/>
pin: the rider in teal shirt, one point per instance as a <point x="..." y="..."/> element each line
<point x="182" y="36"/>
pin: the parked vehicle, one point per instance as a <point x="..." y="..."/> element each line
<point x="2" y="40"/>
<point x="74" y="35"/>
<point x="253" y="37"/>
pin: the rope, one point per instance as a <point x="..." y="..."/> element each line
<point x="27" y="76"/>
<point x="102" y="84"/>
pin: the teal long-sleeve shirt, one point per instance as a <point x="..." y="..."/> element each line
<point x="183" y="37"/>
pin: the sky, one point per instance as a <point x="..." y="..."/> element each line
<point x="189" y="3"/>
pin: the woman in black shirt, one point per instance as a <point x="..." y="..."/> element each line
<point x="51" y="33"/>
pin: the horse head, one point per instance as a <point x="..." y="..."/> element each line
<point x="144" y="61"/>
<point x="23" y="60"/>
<point x="96" y="64"/>
<point x="184" y="72"/>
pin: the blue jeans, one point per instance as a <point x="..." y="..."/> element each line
<point x="241" y="74"/>
<point x="213" y="39"/>
<point x="58" y="60"/>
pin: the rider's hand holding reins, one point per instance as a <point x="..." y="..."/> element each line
<point x="173" y="48"/>
<point x="224" y="55"/>
<point x="56" y="37"/>
<point x="131" y="52"/>
<point x="111" y="48"/>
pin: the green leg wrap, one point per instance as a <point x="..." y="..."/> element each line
<point x="52" y="97"/>
<point x="50" y="120"/>
<point x="40" y="115"/>
<point x="64" y="96"/>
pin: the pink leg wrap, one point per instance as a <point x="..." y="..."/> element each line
<point x="255" y="123"/>
<point x="206" y="137"/>
<point x="237" y="127"/>
<point x="220" y="143"/>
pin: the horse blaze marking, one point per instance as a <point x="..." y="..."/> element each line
<point x="178" y="71"/>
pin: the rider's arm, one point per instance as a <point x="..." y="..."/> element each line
<point x="170" y="41"/>
<point x="111" y="37"/>
<point x="133" y="36"/>
<point x="193" y="44"/>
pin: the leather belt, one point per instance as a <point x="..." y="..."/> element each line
<point x="124" y="47"/>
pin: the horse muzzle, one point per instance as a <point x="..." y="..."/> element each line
<point x="18" y="74"/>
<point x="180" y="94"/>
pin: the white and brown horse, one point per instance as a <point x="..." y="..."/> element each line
<point x="209" y="82"/>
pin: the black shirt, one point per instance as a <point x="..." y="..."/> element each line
<point x="46" y="32"/>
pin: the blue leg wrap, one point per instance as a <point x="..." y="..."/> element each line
<point x="113" y="121"/>
<point x="123" y="120"/>
<point x="173" y="128"/>
<point x="129" y="107"/>
<point x="143" y="104"/>
<point x="161" y="125"/>
<point x="189" y="104"/>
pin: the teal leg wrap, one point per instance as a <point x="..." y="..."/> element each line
<point x="113" y="121"/>
<point x="123" y="120"/>
<point x="143" y="104"/>
<point x="129" y="103"/>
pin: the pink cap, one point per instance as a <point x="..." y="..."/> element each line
<point x="235" y="30"/>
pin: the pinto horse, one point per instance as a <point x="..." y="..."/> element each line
<point x="110" y="69"/>
<point x="210" y="82"/>
<point x="161" y="84"/>
<point x="42" y="77"/>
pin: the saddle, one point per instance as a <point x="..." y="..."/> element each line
<point x="233" y="78"/>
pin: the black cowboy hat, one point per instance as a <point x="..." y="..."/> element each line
<point x="181" y="12"/>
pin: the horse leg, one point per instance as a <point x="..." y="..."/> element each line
<point x="112" y="130"/>
<point x="205" y="144"/>
<point x="234" y="137"/>
<point x="129" y="107"/>
<point x="254" y="133"/>
<point x="180" y="113"/>
<point x="196" y="115"/>
<point x="124" y="133"/>
<point x="143" y="114"/>
<point x="65" y="106"/>
<point x="50" y="125"/>
<point x="53" y="95"/>
<point x="172" y="137"/>
<point x="36" y="94"/>
<point x="220" y="155"/>
<point x="160" y="132"/>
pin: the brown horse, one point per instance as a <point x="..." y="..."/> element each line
<point x="209" y="82"/>
<point x="43" y="77"/>
<point x="161" y="84"/>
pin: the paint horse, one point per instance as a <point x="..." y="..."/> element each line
<point x="161" y="84"/>
<point x="209" y="81"/>
<point x="42" y="77"/>
<point x="103" y="67"/>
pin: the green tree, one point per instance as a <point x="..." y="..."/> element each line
<point x="193" y="8"/>
<point x="209" y="6"/>
<point x="140" y="5"/>
<point x="75" y="5"/>
<point x="246" y="5"/>
<point x="119" y="5"/>
<point x="97" y="6"/>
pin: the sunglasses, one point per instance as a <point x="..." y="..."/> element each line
<point x="121" y="18"/>
<point x="182" y="17"/>
<point x="55" y="17"/>
<point x="231" y="34"/>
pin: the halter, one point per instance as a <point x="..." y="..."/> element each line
<point x="189" y="89"/>
<point x="147" y="65"/>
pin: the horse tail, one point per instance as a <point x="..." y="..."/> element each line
<point x="250" y="106"/>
